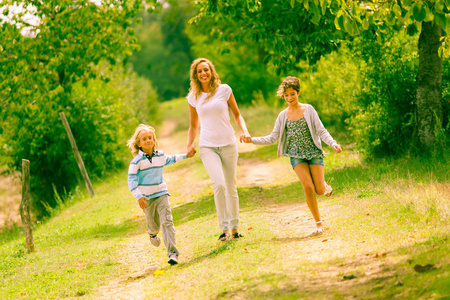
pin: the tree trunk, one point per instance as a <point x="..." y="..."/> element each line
<point x="429" y="83"/>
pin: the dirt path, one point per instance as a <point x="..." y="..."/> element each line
<point x="292" y="222"/>
<point x="10" y="196"/>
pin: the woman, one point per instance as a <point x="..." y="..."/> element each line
<point x="209" y="101"/>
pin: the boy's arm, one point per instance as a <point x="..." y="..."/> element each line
<point x="171" y="159"/>
<point x="133" y="181"/>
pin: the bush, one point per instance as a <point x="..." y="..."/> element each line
<point x="101" y="115"/>
<point x="384" y="123"/>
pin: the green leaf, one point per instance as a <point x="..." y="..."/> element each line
<point x="292" y="3"/>
<point x="365" y="24"/>
<point x="441" y="20"/>
<point x="419" y="12"/>
<point x="407" y="2"/>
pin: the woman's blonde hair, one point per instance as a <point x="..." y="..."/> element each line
<point x="196" y="86"/>
<point x="134" y="140"/>
<point x="288" y="82"/>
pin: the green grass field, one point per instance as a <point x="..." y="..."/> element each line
<point x="387" y="235"/>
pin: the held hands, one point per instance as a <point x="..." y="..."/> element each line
<point x="190" y="151"/>
<point x="142" y="203"/>
<point x="245" y="137"/>
<point x="337" y="147"/>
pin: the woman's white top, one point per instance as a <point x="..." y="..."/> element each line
<point x="214" y="117"/>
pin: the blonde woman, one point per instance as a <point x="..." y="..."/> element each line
<point x="209" y="104"/>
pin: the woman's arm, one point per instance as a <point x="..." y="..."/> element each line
<point x="238" y="117"/>
<point x="193" y="128"/>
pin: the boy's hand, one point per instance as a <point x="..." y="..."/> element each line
<point x="337" y="147"/>
<point x="142" y="203"/>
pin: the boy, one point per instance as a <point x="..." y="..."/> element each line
<point x="146" y="183"/>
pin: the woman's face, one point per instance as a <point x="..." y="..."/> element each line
<point x="203" y="73"/>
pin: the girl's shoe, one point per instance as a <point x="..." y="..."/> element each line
<point x="224" y="236"/>
<point x="328" y="189"/>
<point x="318" y="231"/>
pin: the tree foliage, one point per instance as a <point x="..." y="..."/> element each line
<point x="50" y="52"/>
<point x="295" y="30"/>
<point x="165" y="54"/>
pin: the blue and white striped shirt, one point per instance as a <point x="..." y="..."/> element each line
<point x="145" y="178"/>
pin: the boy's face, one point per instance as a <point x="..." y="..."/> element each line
<point x="203" y="72"/>
<point x="146" y="141"/>
<point x="291" y="96"/>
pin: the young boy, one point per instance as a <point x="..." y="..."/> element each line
<point x="146" y="183"/>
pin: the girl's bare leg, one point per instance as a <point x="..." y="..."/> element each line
<point x="303" y="172"/>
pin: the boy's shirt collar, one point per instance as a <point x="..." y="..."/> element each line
<point x="148" y="156"/>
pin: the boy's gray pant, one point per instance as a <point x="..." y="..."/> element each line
<point x="158" y="213"/>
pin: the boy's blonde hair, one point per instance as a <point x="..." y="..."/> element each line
<point x="134" y="140"/>
<point x="196" y="85"/>
<point x="288" y="82"/>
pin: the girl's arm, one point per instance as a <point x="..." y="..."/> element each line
<point x="273" y="137"/>
<point x="324" y="134"/>
<point x="237" y="116"/>
<point x="193" y="128"/>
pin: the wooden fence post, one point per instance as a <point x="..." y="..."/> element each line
<point x="24" y="207"/>
<point x="77" y="155"/>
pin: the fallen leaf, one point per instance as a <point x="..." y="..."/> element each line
<point x="324" y="240"/>
<point x="349" y="277"/>
<point x="245" y="250"/>
<point x="158" y="273"/>
<point x="250" y="228"/>
<point x="135" y="217"/>
<point x="380" y="255"/>
<point x="412" y="236"/>
<point x="425" y="268"/>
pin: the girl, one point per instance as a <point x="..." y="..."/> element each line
<point x="299" y="130"/>
<point x="209" y="101"/>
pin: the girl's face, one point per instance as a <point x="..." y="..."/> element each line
<point x="203" y="73"/>
<point x="146" y="141"/>
<point x="291" y="96"/>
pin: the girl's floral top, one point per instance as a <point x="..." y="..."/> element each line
<point x="299" y="141"/>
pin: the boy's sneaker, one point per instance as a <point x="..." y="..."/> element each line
<point x="328" y="190"/>
<point x="224" y="237"/>
<point x="237" y="235"/>
<point x="173" y="259"/>
<point x="154" y="239"/>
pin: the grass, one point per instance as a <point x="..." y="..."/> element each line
<point x="385" y="219"/>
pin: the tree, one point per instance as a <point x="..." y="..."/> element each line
<point x="48" y="50"/>
<point x="307" y="29"/>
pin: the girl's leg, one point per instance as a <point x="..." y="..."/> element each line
<point x="229" y="155"/>
<point x="213" y="165"/>
<point x="318" y="178"/>
<point x="303" y="172"/>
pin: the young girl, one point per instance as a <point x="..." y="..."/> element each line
<point x="299" y="130"/>
<point x="146" y="183"/>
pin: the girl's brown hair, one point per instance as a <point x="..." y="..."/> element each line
<point x="134" y="140"/>
<point x="196" y="86"/>
<point x="288" y="82"/>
